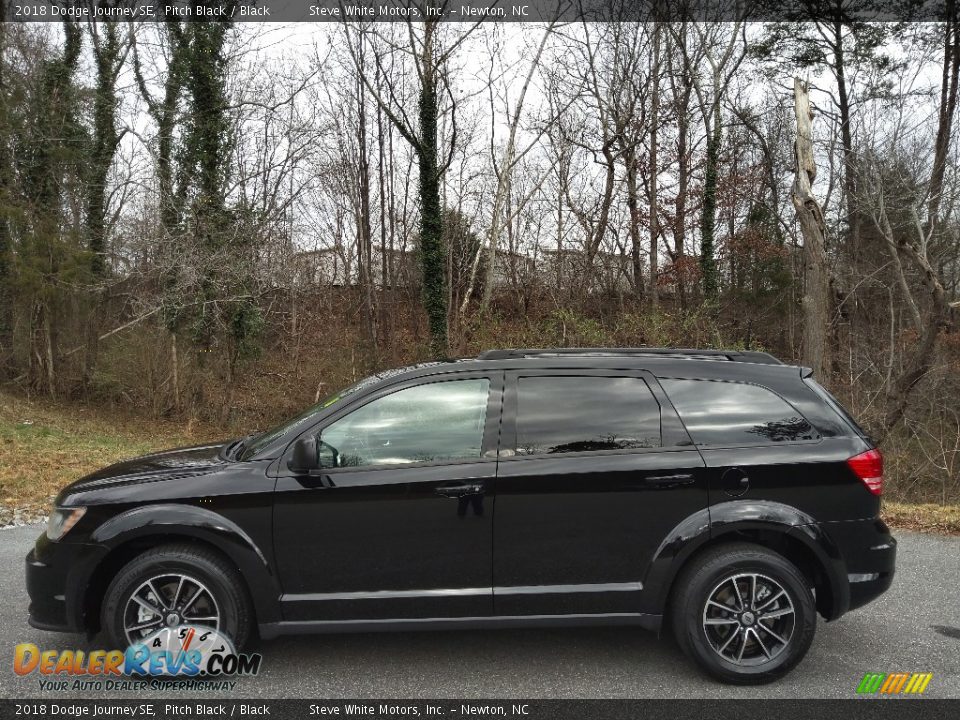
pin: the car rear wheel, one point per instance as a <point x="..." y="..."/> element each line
<point x="171" y="586"/>
<point x="744" y="614"/>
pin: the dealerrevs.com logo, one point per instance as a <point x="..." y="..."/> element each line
<point x="902" y="683"/>
<point x="187" y="651"/>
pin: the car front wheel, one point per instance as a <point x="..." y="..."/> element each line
<point x="744" y="614"/>
<point x="171" y="586"/>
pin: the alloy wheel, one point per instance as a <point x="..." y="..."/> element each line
<point x="749" y="619"/>
<point x="169" y="600"/>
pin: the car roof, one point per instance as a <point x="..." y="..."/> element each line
<point x="730" y="365"/>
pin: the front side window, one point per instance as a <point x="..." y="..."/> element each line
<point x="428" y="423"/>
<point x="263" y="440"/>
<point x="582" y="414"/>
<point x="729" y="413"/>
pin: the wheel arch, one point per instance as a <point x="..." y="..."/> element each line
<point x="777" y="527"/>
<point x="129" y="534"/>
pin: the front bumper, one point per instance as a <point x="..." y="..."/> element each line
<point x="46" y="586"/>
<point x="57" y="575"/>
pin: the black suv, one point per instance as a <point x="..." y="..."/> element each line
<point x="724" y="492"/>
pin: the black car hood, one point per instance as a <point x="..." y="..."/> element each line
<point x="180" y="462"/>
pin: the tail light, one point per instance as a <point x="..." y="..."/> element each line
<point x="868" y="467"/>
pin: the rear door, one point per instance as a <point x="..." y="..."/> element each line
<point x="595" y="470"/>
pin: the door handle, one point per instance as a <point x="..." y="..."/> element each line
<point x="459" y="491"/>
<point x="671" y="480"/>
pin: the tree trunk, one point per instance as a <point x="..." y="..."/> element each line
<point x="632" y="204"/>
<point x="107" y="58"/>
<point x="883" y="223"/>
<point x="432" y="255"/>
<point x="654" y="166"/>
<point x="810" y="215"/>
<point x="846" y="136"/>
<point x="921" y="358"/>
<point x="503" y="180"/>
<point x="683" y="181"/>
<point x="106" y="54"/>
<point x="600" y="231"/>
<point x="6" y="188"/>
<point x="175" y="372"/>
<point x="364" y="231"/>
<point x="708" y="218"/>
<point x="948" y="106"/>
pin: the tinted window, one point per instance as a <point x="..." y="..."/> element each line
<point x="579" y="414"/>
<point x="724" y="413"/>
<point x="263" y="440"/>
<point x="837" y="407"/>
<point x="426" y="423"/>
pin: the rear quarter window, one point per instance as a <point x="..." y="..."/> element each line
<point x="728" y="413"/>
<point x="835" y="405"/>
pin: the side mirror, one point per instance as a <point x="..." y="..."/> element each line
<point x="305" y="458"/>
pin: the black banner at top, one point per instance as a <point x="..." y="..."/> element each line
<point x="245" y="11"/>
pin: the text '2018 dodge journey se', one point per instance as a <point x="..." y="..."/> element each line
<point x="724" y="493"/>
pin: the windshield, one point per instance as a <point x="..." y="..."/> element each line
<point x="259" y="442"/>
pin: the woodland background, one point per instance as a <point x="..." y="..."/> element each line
<point x="207" y="227"/>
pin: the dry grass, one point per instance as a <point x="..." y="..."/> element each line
<point x="44" y="447"/>
<point x="941" y="519"/>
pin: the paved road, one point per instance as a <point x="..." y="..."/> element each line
<point x="914" y="627"/>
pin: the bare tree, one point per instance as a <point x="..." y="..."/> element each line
<point x="723" y="66"/>
<point x="503" y="169"/>
<point x="429" y="56"/>
<point x="810" y="215"/>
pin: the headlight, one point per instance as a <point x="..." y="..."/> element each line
<point x="61" y="520"/>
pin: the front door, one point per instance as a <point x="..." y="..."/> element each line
<point x="595" y="471"/>
<point x="400" y="522"/>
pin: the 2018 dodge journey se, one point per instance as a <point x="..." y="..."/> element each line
<point x="721" y="493"/>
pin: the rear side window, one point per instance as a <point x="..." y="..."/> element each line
<point x="726" y="413"/>
<point x="836" y="406"/>
<point x="583" y="414"/>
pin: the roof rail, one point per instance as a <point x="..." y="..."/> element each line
<point x="752" y="356"/>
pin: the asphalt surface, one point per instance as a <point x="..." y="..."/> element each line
<point x="915" y="627"/>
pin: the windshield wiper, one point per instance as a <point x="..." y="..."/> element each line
<point x="236" y="449"/>
<point x="233" y="450"/>
<point x="227" y="451"/>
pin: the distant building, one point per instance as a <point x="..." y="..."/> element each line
<point x="321" y="267"/>
<point x="513" y="269"/>
<point x="562" y="268"/>
<point x="401" y="267"/>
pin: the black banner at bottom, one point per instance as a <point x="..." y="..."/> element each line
<point x="872" y="709"/>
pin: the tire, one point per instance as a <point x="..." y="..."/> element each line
<point x="220" y="593"/>
<point x="782" y="609"/>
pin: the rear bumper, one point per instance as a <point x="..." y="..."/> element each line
<point x="869" y="554"/>
<point x="866" y="591"/>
